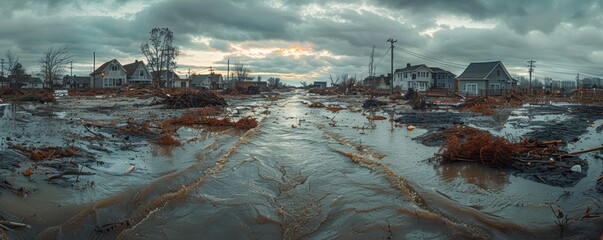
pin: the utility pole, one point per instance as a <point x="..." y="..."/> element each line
<point x="93" y="69"/>
<point x="531" y="65"/>
<point x="391" y="81"/>
<point x="71" y="68"/>
<point x="578" y="81"/>
<point x="372" y="62"/>
<point x="228" y="71"/>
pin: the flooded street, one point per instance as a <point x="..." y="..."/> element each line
<point x="302" y="173"/>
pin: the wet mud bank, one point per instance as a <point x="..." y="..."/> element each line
<point x="338" y="171"/>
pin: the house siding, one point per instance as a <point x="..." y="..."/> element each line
<point x="481" y="85"/>
<point x="503" y="80"/>
<point x="146" y="78"/>
<point x="423" y="76"/>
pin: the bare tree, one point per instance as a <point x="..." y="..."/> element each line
<point x="12" y="59"/>
<point x="241" y="73"/>
<point x="52" y="64"/>
<point x="275" y="82"/>
<point x="304" y="84"/>
<point x="160" y="53"/>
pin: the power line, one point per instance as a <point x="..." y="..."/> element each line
<point x="445" y="62"/>
<point x="441" y="62"/>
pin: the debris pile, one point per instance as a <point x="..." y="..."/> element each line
<point x="334" y="108"/>
<point x="372" y="103"/>
<point x="45" y="153"/>
<point x="539" y="161"/>
<point x="317" y="105"/>
<point x="488" y="105"/>
<point x="194" y="100"/>
<point x="167" y="140"/>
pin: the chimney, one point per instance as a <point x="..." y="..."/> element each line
<point x="407" y="65"/>
<point x="136" y="61"/>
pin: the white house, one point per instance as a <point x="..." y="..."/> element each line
<point x="418" y="77"/>
<point x="173" y="80"/>
<point x="207" y="81"/>
<point x="138" y="73"/>
<point x="109" y="75"/>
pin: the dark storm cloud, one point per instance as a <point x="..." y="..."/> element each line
<point x="339" y="34"/>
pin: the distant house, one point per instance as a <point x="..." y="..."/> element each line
<point x="443" y="78"/>
<point x="320" y="84"/>
<point x="485" y="78"/>
<point x="207" y="81"/>
<point x="109" y="75"/>
<point x="138" y="73"/>
<point x="171" y="79"/>
<point x="75" y="82"/>
<point x="417" y="77"/>
<point x="377" y="82"/>
<point x="33" y="82"/>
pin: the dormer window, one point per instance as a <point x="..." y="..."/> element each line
<point x="113" y="67"/>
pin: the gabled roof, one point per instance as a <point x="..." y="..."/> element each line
<point x="131" y="68"/>
<point x="480" y="70"/>
<point x="102" y="67"/>
<point x="412" y="68"/>
<point x="162" y="72"/>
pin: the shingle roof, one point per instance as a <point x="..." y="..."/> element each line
<point x="479" y="70"/>
<point x="102" y="67"/>
<point x="131" y="68"/>
<point x="412" y="68"/>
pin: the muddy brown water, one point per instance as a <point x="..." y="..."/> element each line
<point x="303" y="173"/>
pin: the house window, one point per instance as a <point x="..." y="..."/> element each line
<point x="182" y="84"/>
<point x="427" y="74"/>
<point x="471" y="88"/>
<point x="414" y="76"/>
<point x="405" y="75"/>
<point x="498" y="72"/>
<point x="113" y="68"/>
<point x="118" y="83"/>
<point x="141" y="73"/>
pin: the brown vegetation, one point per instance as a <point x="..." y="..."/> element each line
<point x="167" y="140"/>
<point x="488" y="105"/>
<point x="317" y="105"/>
<point x="376" y="117"/>
<point x="194" y="100"/>
<point x="44" y="153"/>
<point x="334" y="108"/>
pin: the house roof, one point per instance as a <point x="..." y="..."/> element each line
<point x="36" y="80"/>
<point x="479" y="70"/>
<point x="162" y="72"/>
<point x="199" y="79"/>
<point x="76" y="79"/>
<point x="102" y="67"/>
<point x="412" y="68"/>
<point x="131" y="68"/>
<point x="439" y="70"/>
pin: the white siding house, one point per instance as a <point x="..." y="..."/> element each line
<point x="109" y="75"/>
<point x="138" y="73"/>
<point x="418" y="77"/>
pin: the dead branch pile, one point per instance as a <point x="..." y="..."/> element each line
<point x="482" y="147"/>
<point x="36" y="96"/>
<point x="437" y="138"/>
<point x="334" y="108"/>
<point x="317" y="105"/>
<point x="488" y="105"/>
<point x="167" y="140"/>
<point x="376" y="117"/>
<point x="135" y="128"/>
<point x="208" y="117"/>
<point x="194" y="100"/>
<point x="8" y="91"/>
<point x="372" y="103"/>
<point x="44" y="153"/>
<point x="420" y="102"/>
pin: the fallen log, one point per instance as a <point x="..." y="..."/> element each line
<point x="588" y="150"/>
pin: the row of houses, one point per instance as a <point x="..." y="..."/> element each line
<point x="113" y="74"/>
<point x="478" y="78"/>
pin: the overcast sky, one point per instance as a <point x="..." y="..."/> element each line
<point x="307" y="40"/>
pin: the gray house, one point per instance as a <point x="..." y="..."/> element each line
<point x="442" y="78"/>
<point x="485" y="78"/>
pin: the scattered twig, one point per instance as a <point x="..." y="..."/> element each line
<point x="588" y="150"/>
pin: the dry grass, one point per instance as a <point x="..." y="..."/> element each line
<point x="376" y="117"/>
<point x="44" y="153"/>
<point x="167" y="140"/>
<point x="335" y="108"/>
<point x="317" y="105"/>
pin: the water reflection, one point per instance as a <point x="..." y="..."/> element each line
<point x="475" y="174"/>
